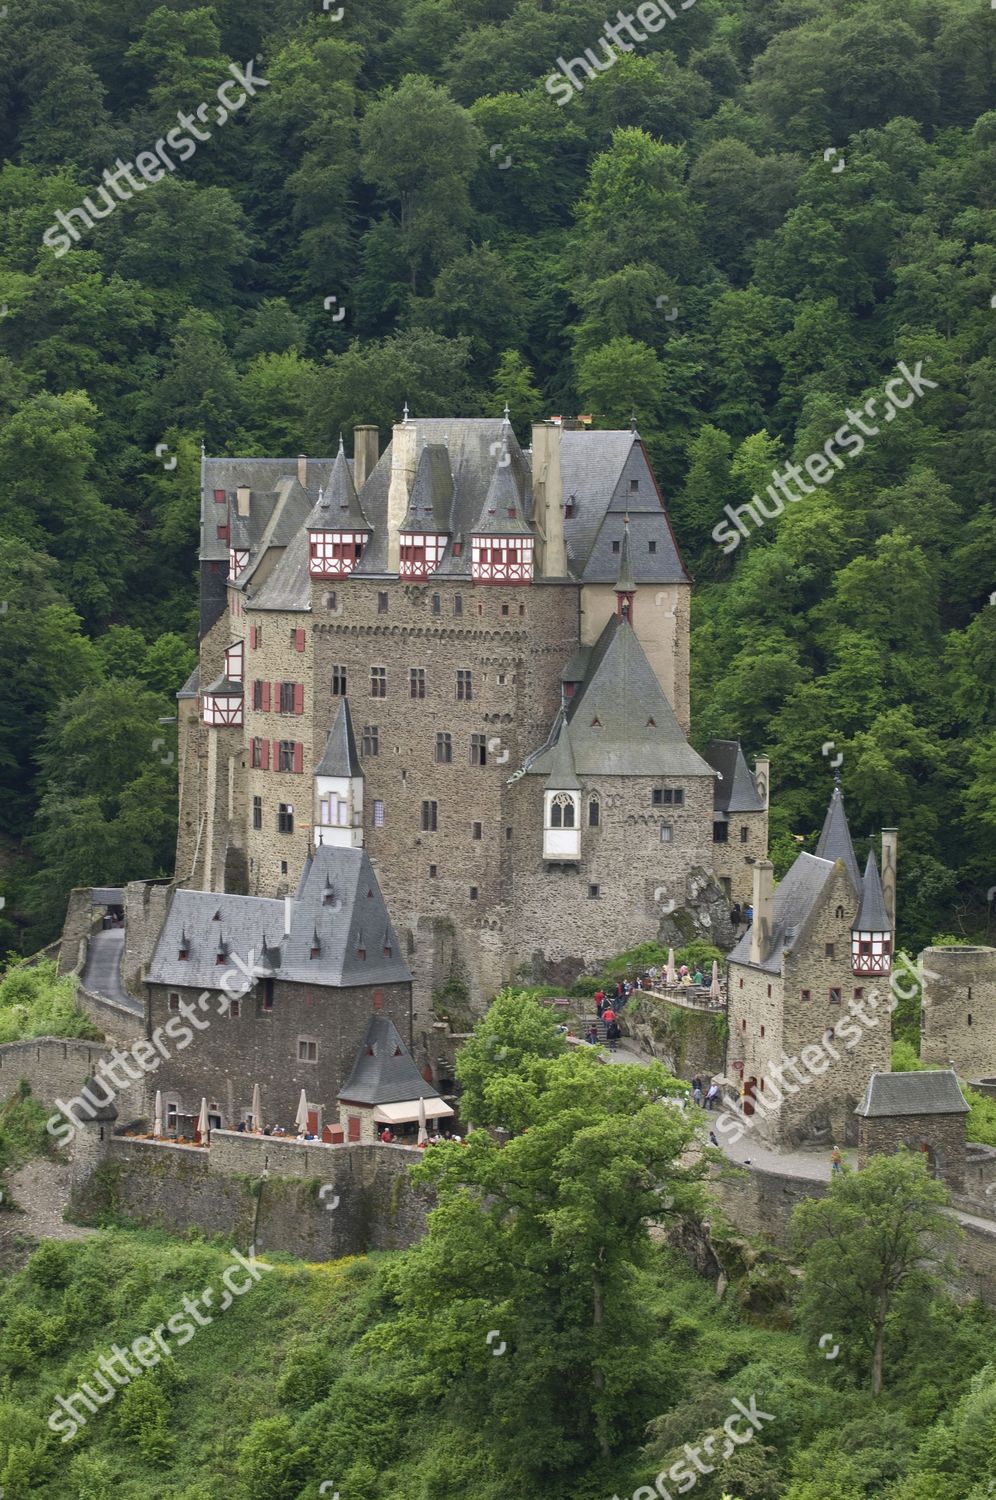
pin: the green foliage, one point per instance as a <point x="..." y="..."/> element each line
<point x="34" y="1001"/>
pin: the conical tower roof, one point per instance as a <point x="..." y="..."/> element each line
<point x="340" y="757"/>
<point x="562" y="776"/>
<point x="835" y="840"/>
<point x="872" y="915"/>
<point x="338" y="507"/>
<point x="502" y="514"/>
<point x="431" y="498"/>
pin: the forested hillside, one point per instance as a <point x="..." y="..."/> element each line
<point x="735" y="232"/>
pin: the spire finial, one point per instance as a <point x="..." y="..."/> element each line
<point x="404" y="413"/>
<point x="342" y="447"/>
<point x="505" y="413"/>
<point x="632" y="421"/>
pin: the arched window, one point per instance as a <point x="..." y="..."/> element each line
<point x="594" y="812"/>
<point x="562" y="811"/>
<point x="840" y="911"/>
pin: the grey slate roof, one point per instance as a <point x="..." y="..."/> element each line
<point x="431" y="499"/>
<point x="384" y="1071"/>
<point x="597" y="470"/>
<point x="562" y="777"/>
<point x="503" y="512"/>
<point x="835" y="839"/>
<point x="356" y="917"/>
<point x="872" y="915"/>
<point x="792" y="906"/>
<point x="636" y="733"/>
<point x="338" y="507"/>
<point x="340" y="757"/>
<point x="277" y="502"/>
<point x="932" y="1092"/>
<point x="192" y="685"/>
<point x="289" y="585"/>
<point x="625" y="583"/>
<point x="736" y="791"/>
<point x="225" y="686"/>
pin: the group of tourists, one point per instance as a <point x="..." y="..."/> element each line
<point x="707" y="1099"/>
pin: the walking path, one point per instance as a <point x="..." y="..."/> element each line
<point x="102" y="972"/>
<point x="41" y="1191"/>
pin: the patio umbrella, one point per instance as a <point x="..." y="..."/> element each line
<point x="670" y="977"/>
<point x="301" y="1118"/>
<point x="157" y="1128"/>
<point x="203" y="1129"/>
<point x="714" y="991"/>
<point x="423" y="1134"/>
<point x="257" y="1110"/>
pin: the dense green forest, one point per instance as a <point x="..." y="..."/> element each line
<point x="734" y="232"/>
<point x="543" y="1339"/>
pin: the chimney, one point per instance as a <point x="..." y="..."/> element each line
<point x="366" y="442"/>
<point x="762" y="777"/>
<point x="548" y="500"/>
<point x="302" y="471"/>
<point x="890" y="838"/>
<point x="242" y="495"/>
<point x="761" y="927"/>
<point x="403" y="462"/>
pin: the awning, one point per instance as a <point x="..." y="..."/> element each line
<point x="406" y="1112"/>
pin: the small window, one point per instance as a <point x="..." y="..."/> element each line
<point x="172" y="1111"/>
<point x="805" y="994"/>
<point x="283" y="863"/>
<point x="508" y="835"/>
<point x="570" y="507"/>
<point x="222" y="533"/>
<point x="331" y="599"/>
<point x="267" y="994"/>
<point x="285" y="824"/>
<point x="741" y="986"/>
<point x="378" y="813"/>
<point x="457" y="601"/>
<point x="743" y="834"/>
<point x="432" y="872"/>
<point x="839" y="913"/>
<point x="257" y="812"/>
<point x="378" y="682"/>
<point x="651" y="546"/>
<point x="465" y="685"/>
<point x="769" y="996"/>
<point x="478" y="750"/>
<point x="504" y="609"/>
<point x="828" y="950"/>
<point x="285" y="759"/>
<point x="307" y="1050"/>
<point x="174" y="1001"/>
<point x="666" y="833"/>
<point x="382" y="602"/>
<point x="285" y="704"/>
<point x="234" y="1009"/>
<point x="257" y="697"/>
<point x="859" y="994"/>
<point x="416" y="681"/>
<point x="720" y="833"/>
<point x="835" y="996"/>
<point x="762" y="1031"/>
<point x="593" y="892"/>
<point x="338" y="682"/>
<point x="361" y="954"/>
<point x="256" y="753"/>
<point x="219" y="497"/>
<point x="562" y="811"/>
<point x="657" y="797"/>
<point x="594" y="812"/>
<point x="437" y="605"/>
<point x="477" y="830"/>
<point x="615" y="546"/>
<point x="970" y="1018"/>
<point x="473" y="893"/>
<point x="444" y="748"/>
<point x="370" y="740"/>
<point x="457" y="549"/>
<point x="430" y="814"/>
<point x="634" y="485"/>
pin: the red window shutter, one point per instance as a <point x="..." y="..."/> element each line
<point x="299" y="758"/>
<point x="264" y="756"/>
<point x="266" y="697"/>
<point x="276" y="755"/>
<point x="299" y="640"/>
<point x="252" y="637"/>
<point x="223" y="533"/>
<point x="219" y="497"/>
<point x="299" y="697"/>
<point x="276" y="697"/>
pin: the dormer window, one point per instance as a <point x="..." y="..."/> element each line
<point x="570" y="507"/>
<point x="184" y="952"/>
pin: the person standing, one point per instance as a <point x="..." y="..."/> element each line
<point x="836" y="1160"/>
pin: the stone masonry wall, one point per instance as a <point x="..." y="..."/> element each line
<point x="57" y="1068"/>
<point x="959" y="1010"/>
<point x="690" y="1043"/>
<point x="944" y="1135"/>
<point x="146" y="905"/>
<point x="368" y="1203"/>
<point x="233" y="1052"/>
<point x="730" y="860"/>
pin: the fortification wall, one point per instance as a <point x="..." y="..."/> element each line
<point x="57" y="1068"/>
<point x="306" y="1199"/>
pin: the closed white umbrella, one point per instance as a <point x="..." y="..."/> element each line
<point x="423" y="1133"/>
<point x="257" y="1109"/>
<point x="157" y="1128"/>
<point x="714" y="991"/>
<point x="670" y="976"/>
<point x="301" y="1118"/>
<point x="203" y="1129"/>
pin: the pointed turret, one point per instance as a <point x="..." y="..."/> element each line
<point x="425" y="527"/>
<point x="502" y="540"/>
<point x="625" y="587"/>
<point x="337" y="527"/>
<point x="562" y="804"/>
<point x="339" y="786"/>
<point x="871" y="935"/>
<point x="835" y="839"/>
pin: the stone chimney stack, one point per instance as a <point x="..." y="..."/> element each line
<point x="761" y="927"/>
<point x="366" y="451"/>
<point x="302" y="471"/>
<point x="403" y="463"/>
<point x="890" y="839"/>
<point x="548" y="500"/>
<point x="242" y="499"/>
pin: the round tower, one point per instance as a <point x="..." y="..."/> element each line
<point x="959" y="1009"/>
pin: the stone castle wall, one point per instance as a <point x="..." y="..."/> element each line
<point x="944" y="1135"/>
<point x="57" y="1068"/>
<point x="315" y="1202"/>
<point x="959" y="1010"/>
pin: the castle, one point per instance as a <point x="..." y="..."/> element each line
<point x="472" y="663"/>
